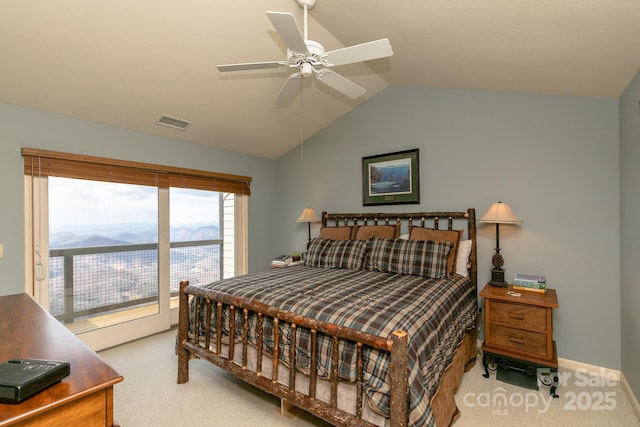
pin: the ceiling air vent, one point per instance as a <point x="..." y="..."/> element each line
<point x="173" y="122"/>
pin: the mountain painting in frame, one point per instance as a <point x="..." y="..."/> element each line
<point x="391" y="179"/>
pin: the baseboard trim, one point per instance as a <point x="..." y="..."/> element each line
<point x="590" y="369"/>
<point x="609" y="373"/>
<point x="632" y="397"/>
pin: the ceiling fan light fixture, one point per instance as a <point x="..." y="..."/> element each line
<point x="306" y="69"/>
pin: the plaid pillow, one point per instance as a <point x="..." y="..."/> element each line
<point x="416" y="257"/>
<point x="326" y="253"/>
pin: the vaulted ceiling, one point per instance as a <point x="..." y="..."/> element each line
<point x="126" y="63"/>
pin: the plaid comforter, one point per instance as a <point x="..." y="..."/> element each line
<point x="434" y="312"/>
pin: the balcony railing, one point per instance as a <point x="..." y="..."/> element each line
<point x="88" y="281"/>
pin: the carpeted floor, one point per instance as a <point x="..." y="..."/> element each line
<point x="149" y="396"/>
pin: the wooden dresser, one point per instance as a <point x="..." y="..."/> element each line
<point x="85" y="397"/>
<point x="519" y="328"/>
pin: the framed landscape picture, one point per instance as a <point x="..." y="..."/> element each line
<point x="390" y="179"/>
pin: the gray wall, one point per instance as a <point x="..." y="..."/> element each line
<point x="22" y="127"/>
<point x="554" y="159"/>
<point x="630" y="231"/>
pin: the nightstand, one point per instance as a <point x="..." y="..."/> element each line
<point x="519" y="332"/>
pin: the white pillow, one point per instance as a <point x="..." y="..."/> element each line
<point x="464" y="250"/>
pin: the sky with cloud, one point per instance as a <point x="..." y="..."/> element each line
<point x="75" y="202"/>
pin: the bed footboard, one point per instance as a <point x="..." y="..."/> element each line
<point x="193" y="345"/>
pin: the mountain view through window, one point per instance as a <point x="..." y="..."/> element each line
<point x="103" y="244"/>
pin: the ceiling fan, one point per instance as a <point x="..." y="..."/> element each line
<point x="307" y="57"/>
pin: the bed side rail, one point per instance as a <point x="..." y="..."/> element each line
<point x="191" y="345"/>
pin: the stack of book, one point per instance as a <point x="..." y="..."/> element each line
<point x="528" y="282"/>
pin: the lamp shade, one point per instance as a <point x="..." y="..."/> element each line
<point x="308" y="215"/>
<point x="500" y="213"/>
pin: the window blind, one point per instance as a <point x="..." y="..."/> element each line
<point x="53" y="163"/>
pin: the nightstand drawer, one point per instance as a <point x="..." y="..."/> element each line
<point x="520" y="315"/>
<point x="519" y="340"/>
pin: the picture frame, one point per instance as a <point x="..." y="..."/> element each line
<point x="391" y="179"/>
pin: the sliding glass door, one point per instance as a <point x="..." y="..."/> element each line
<point x="101" y="269"/>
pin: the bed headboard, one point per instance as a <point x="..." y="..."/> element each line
<point x="454" y="220"/>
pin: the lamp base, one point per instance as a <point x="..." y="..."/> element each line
<point x="497" y="278"/>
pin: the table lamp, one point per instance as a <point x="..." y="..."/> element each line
<point x="499" y="213"/>
<point x="308" y="215"/>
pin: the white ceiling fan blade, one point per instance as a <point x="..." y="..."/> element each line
<point x="360" y="52"/>
<point x="289" y="89"/>
<point x="285" y="24"/>
<point x="340" y="83"/>
<point x="251" y="66"/>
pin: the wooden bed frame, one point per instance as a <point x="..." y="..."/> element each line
<point x="188" y="347"/>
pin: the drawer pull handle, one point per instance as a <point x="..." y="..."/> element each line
<point x="517" y="340"/>
<point x="518" y="316"/>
